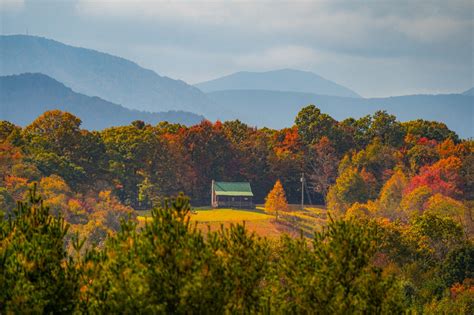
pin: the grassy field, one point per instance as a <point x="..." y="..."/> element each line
<point x="293" y="222"/>
<point x="229" y="215"/>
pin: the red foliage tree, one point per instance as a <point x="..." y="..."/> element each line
<point x="443" y="177"/>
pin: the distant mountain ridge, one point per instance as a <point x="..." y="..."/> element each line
<point x="469" y="92"/>
<point x="278" y="80"/>
<point x="98" y="74"/>
<point x="269" y="99"/>
<point x="277" y="109"/>
<point x="24" y="97"/>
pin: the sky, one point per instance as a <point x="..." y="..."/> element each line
<point x="375" y="47"/>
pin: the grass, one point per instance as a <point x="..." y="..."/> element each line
<point x="228" y="215"/>
<point x="293" y="222"/>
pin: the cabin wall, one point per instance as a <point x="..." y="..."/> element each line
<point x="242" y="202"/>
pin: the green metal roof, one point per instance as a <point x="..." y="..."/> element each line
<point x="233" y="189"/>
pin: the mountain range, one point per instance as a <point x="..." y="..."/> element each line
<point x="106" y="90"/>
<point x="469" y="92"/>
<point x="95" y="73"/>
<point x="278" y="80"/>
<point x="26" y="96"/>
<point x="276" y="108"/>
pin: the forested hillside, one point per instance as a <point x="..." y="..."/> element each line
<point x="95" y="73"/>
<point x="398" y="199"/>
<point x="25" y="96"/>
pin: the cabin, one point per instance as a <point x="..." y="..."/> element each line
<point x="231" y="195"/>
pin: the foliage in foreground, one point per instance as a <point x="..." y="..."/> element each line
<point x="169" y="267"/>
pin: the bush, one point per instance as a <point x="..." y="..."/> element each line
<point x="36" y="274"/>
<point x="168" y="266"/>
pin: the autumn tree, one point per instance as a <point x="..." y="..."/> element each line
<point x="236" y="131"/>
<point x="9" y="132"/>
<point x="54" y="131"/>
<point x="286" y="160"/>
<point x="211" y="156"/>
<point x="322" y="166"/>
<point x="429" y="129"/>
<point x="413" y="202"/>
<point x="443" y="177"/>
<point x="350" y="187"/>
<point x="255" y="155"/>
<point x="391" y="196"/>
<point x="467" y="174"/>
<point x="361" y="210"/>
<point x="446" y="206"/>
<point x="377" y="159"/>
<point x="57" y="145"/>
<point x="143" y="162"/>
<point x="276" y="200"/>
<point x="422" y="153"/>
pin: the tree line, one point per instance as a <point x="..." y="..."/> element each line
<point x="141" y="163"/>
<point x="399" y="195"/>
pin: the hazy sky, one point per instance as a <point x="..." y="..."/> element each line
<point x="376" y="48"/>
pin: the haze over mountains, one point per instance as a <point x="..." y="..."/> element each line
<point x="91" y="84"/>
<point x="469" y="92"/>
<point x="98" y="74"/>
<point x="24" y="97"/>
<point x="275" y="108"/>
<point x="278" y="80"/>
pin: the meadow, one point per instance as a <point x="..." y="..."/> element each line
<point x="294" y="222"/>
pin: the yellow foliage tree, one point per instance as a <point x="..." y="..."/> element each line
<point x="276" y="200"/>
<point x="447" y="206"/>
<point x="391" y="196"/>
<point x="361" y="210"/>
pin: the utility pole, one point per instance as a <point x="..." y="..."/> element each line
<point x="302" y="191"/>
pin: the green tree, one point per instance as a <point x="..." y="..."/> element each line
<point x="37" y="275"/>
<point x="386" y="128"/>
<point x="170" y="267"/>
<point x="359" y="128"/>
<point x="9" y="132"/>
<point x="55" y="131"/>
<point x="459" y="263"/>
<point x="313" y="125"/>
<point x="58" y="146"/>
<point x="334" y="274"/>
<point x="429" y="129"/>
<point x="139" y="156"/>
<point x="349" y="188"/>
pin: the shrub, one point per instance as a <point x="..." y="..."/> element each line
<point x="36" y="274"/>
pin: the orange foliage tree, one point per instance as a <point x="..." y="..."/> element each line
<point x="276" y="200"/>
<point x="442" y="177"/>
